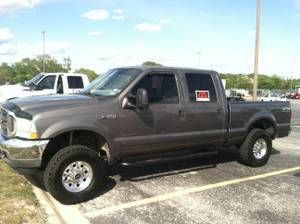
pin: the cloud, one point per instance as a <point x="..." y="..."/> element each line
<point x="152" y="27"/>
<point x="96" y="14"/>
<point x="12" y="52"/>
<point x="164" y="21"/>
<point x="5" y="35"/>
<point x="118" y="17"/>
<point x="118" y="11"/>
<point x="107" y="58"/>
<point x="118" y="14"/>
<point x="297" y="3"/>
<point x="8" y="6"/>
<point x="148" y="27"/>
<point x="8" y="49"/>
<point x="95" y="33"/>
<point x="35" y="49"/>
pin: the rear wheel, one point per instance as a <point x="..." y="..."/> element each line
<point x="75" y="174"/>
<point x="256" y="148"/>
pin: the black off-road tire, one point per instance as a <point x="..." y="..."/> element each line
<point x="59" y="162"/>
<point x="246" y="149"/>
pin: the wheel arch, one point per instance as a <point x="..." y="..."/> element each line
<point x="77" y="136"/>
<point x="265" y="122"/>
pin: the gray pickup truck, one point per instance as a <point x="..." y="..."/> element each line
<point x="130" y="116"/>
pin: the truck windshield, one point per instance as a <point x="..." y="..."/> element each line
<point x="112" y="82"/>
<point x="34" y="80"/>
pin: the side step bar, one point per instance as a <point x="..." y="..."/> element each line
<point x="166" y="159"/>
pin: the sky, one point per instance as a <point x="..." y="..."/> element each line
<point x="102" y="34"/>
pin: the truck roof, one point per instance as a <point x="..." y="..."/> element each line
<point x="161" y="68"/>
<point x="64" y="73"/>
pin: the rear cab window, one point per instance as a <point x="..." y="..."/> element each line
<point x="201" y="88"/>
<point x="75" y="82"/>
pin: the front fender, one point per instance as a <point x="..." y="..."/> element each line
<point x="72" y="125"/>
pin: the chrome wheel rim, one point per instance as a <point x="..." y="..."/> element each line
<point x="260" y="148"/>
<point x="77" y="176"/>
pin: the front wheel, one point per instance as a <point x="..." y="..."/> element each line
<point x="75" y="174"/>
<point x="256" y="148"/>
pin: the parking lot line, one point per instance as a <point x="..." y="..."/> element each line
<point x="176" y="194"/>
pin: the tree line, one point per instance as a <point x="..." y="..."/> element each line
<point x="273" y="82"/>
<point x="27" y="68"/>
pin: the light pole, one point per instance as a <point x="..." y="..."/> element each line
<point x="199" y="57"/>
<point x="292" y="74"/>
<point x="256" y="60"/>
<point x="44" y="51"/>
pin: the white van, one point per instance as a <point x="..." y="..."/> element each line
<point x="46" y="84"/>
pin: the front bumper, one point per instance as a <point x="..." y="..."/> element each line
<point x="22" y="153"/>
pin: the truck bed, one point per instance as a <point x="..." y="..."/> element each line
<point x="243" y="115"/>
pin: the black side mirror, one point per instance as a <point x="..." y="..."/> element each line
<point x="142" y="100"/>
<point x="37" y="87"/>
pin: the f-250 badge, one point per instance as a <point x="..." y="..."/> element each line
<point x="108" y="116"/>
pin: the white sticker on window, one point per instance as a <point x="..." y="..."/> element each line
<point x="202" y="96"/>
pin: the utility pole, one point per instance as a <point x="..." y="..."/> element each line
<point x="256" y="60"/>
<point x="199" y="57"/>
<point x="292" y="75"/>
<point x="44" y="51"/>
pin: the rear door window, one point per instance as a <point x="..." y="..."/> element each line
<point x="75" y="82"/>
<point x="201" y="88"/>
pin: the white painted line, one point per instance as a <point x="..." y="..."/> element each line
<point x="57" y="212"/>
<point x="176" y="194"/>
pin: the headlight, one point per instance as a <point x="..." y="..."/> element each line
<point x="25" y="129"/>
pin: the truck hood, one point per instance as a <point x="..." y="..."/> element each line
<point x="37" y="104"/>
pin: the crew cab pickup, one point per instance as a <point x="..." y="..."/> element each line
<point x="134" y="115"/>
<point x="46" y="84"/>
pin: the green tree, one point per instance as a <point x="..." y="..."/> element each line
<point x="90" y="73"/>
<point x="27" y="68"/>
<point x="6" y="73"/>
<point x="67" y="64"/>
<point x="151" y="63"/>
<point x="241" y="81"/>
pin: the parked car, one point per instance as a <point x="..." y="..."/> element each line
<point x="273" y="97"/>
<point x="293" y="96"/>
<point x="45" y="84"/>
<point x="134" y="116"/>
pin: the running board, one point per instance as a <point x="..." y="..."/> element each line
<point x="168" y="159"/>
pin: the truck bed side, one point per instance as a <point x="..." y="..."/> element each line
<point x="275" y="117"/>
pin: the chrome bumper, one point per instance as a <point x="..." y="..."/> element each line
<point x="22" y="153"/>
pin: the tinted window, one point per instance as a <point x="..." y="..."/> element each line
<point x="48" y="82"/>
<point x="161" y="88"/>
<point x="112" y="82"/>
<point x="75" y="82"/>
<point x="200" y="82"/>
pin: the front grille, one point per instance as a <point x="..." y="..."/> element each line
<point x="4" y="119"/>
<point x="7" y="123"/>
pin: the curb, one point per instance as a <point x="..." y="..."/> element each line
<point x="57" y="212"/>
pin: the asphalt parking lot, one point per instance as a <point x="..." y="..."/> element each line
<point x="207" y="190"/>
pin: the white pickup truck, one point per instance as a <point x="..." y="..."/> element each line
<point x="46" y="84"/>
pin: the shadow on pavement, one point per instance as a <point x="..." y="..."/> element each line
<point x="168" y="169"/>
<point x="275" y="151"/>
<point x="297" y="174"/>
<point x="36" y="179"/>
<point x="141" y="173"/>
